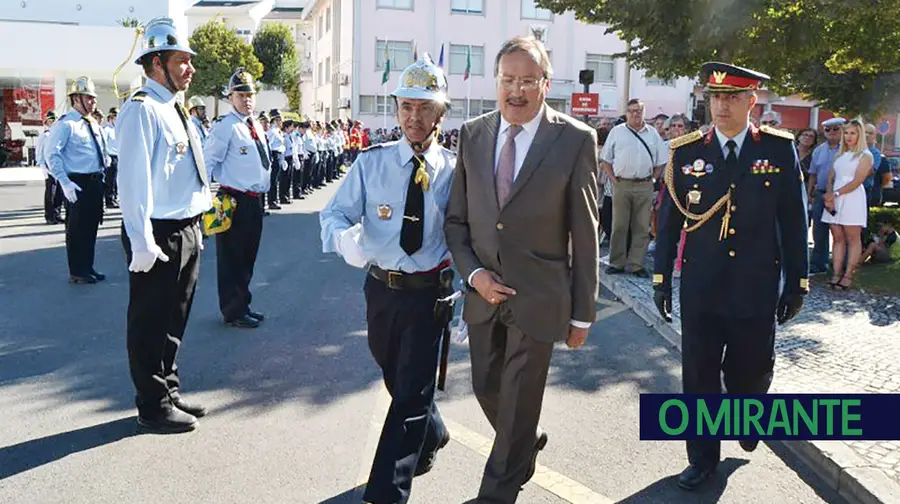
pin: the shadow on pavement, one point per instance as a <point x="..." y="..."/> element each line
<point x="352" y="496"/>
<point x="22" y="457"/>
<point x="665" y="489"/>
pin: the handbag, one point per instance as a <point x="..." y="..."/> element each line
<point x="218" y="218"/>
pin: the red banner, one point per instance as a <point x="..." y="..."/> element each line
<point x="585" y="104"/>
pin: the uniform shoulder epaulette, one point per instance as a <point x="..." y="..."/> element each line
<point x="777" y="132"/>
<point x="218" y="119"/>
<point x="685" y="139"/>
<point x="139" y="96"/>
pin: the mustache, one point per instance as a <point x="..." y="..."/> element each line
<point x="516" y="101"/>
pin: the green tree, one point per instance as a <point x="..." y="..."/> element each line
<point x="273" y="44"/>
<point x="220" y="51"/>
<point x="841" y="53"/>
<point x="289" y="82"/>
<point x="129" y="22"/>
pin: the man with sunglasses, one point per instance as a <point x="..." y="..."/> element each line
<point x="819" y="168"/>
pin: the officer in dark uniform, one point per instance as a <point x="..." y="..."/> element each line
<point x="738" y="192"/>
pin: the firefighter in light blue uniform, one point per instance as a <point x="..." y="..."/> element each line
<point x="388" y="217"/>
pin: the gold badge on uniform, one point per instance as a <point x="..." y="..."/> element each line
<point x="384" y="212"/>
<point x="244" y="150"/>
<point x="180" y="147"/>
<point x="699" y="168"/>
<point x="694" y="197"/>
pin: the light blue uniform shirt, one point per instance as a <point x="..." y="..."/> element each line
<point x="70" y="148"/>
<point x="158" y="176"/>
<point x="374" y="193"/>
<point x="201" y="130"/>
<point x="288" y="140"/>
<point x="276" y="139"/>
<point x="232" y="157"/>
<point x="109" y="131"/>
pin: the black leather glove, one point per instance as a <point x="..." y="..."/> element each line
<point x="788" y="307"/>
<point x="662" y="297"/>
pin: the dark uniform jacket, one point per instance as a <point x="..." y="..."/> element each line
<point x="754" y="246"/>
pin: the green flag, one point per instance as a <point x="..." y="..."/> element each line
<point x="387" y="65"/>
<point x="468" y="62"/>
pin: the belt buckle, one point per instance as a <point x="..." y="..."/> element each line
<point x="393" y="280"/>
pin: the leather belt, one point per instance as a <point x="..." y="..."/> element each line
<point x="398" y="280"/>
<point x="645" y="179"/>
<point x="233" y="191"/>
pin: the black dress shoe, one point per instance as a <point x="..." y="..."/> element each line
<point x="538" y="446"/>
<point x="168" y="421"/>
<point x="426" y="462"/>
<point x="99" y="276"/>
<point x="244" y="322"/>
<point x="274" y="206"/>
<point x="258" y="316"/>
<point x="641" y="273"/>
<point x="612" y="270"/>
<point x="748" y="445"/>
<point x="82" y="280"/>
<point x="694" y="476"/>
<point x="188" y="407"/>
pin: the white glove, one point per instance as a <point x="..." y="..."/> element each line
<point x="199" y="238"/>
<point x="70" y="191"/>
<point x="142" y="262"/>
<point x="348" y="247"/>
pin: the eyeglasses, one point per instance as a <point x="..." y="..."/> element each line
<point x="526" y="83"/>
<point x="832" y="128"/>
<point x="769" y="123"/>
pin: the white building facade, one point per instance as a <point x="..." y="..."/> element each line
<point x="349" y="38"/>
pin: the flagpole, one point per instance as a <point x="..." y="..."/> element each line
<point x="385" y="105"/>
<point x="468" y="97"/>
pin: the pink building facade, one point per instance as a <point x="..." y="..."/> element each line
<point x="350" y="37"/>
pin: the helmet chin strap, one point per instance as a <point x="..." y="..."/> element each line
<point x="419" y="147"/>
<point x="164" y="63"/>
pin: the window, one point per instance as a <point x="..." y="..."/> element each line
<point x="399" y="52"/>
<point x="369" y="104"/>
<point x="321" y="27"/>
<point x="655" y="81"/>
<point x="532" y="11"/>
<point x="557" y="104"/>
<point x="395" y="4"/>
<point x="458" y="108"/>
<point x="467" y="6"/>
<point x="321" y="75"/>
<point x="328" y="19"/>
<point x="458" y="56"/>
<point x="327" y="70"/>
<point x="604" y="67"/>
<point x="478" y="107"/>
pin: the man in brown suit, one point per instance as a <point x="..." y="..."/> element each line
<point x="525" y="188"/>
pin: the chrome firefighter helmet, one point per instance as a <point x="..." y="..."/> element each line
<point x="160" y="35"/>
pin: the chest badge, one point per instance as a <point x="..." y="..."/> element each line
<point x="694" y="197"/>
<point x="384" y="211"/>
<point x="699" y="168"/>
<point x="244" y="150"/>
<point x="180" y="148"/>
<point x="762" y="166"/>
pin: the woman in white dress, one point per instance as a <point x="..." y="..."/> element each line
<point x="845" y="202"/>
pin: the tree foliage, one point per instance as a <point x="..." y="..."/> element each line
<point x="842" y="53"/>
<point x="220" y="51"/>
<point x="273" y="44"/>
<point x="290" y="82"/>
<point x="129" y="22"/>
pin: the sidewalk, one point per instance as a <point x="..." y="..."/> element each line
<point x="839" y="343"/>
<point x="21" y="174"/>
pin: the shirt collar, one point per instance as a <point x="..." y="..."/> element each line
<point x="432" y="153"/>
<point x="164" y="94"/>
<point x="639" y="130"/>
<point x="738" y="139"/>
<point x="530" y="127"/>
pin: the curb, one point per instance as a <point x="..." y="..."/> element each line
<point x="842" y="469"/>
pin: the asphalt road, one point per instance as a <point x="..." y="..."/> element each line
<point x="296" y="405"/>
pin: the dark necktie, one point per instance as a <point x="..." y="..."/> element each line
<point x="731" y="161"/>
<point x="198" y="156"/>
<point x="414" y="213"/>
<point x="96" y="143"/>
<point x="259" y="145"/>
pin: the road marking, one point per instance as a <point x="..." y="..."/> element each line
<point x="558" y="484"/>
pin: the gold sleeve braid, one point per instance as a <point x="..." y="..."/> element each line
<point x="701" y="219"/>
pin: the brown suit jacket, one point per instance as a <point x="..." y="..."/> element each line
<point x="553" y="199"/>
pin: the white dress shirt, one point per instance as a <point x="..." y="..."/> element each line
<point x="738" y="139"/>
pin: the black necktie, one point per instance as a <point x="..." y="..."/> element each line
<point x="260" y="148"/>
<point x="198" y="161"/>
<point x="731" y="161"/>
<point x="414" y="213"/>
<point x="96" y="143"/>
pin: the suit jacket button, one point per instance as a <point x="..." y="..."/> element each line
<point x="732" y="231"/>
<point x="734" y="208"/>
<point x="731" y="253"/>
<point x="733" y="186"/>
<point x="499" y="225"/>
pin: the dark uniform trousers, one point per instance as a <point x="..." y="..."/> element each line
<point x="82" y="220"/>
<point x="158" y="308"/>
<point x="287" y="177"/>
<point x="111" y="191"/>
<point x="308" y="171"/>
<point x="298" y="184"/>
<point x="275" y="176"/>
<point x="404" y="337"/>
<point x="740" y="349"/>
<point x="53" y="200"/>
<point x="236" y="251"/>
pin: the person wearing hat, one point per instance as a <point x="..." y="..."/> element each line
<point x="387" y="218"/>
<point x="53" y="196"/>
<point x="738" y="193"/>
<point x="279" y="176"/>
<point x="237" y="156"/>
<point x="76" y="157"/>
<point x="163" y="192"/>
<point x="291" y="176"/>
<point x="197" y="109"/>
<point x="820" y="166"/>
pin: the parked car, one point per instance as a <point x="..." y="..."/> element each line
<point x="892" y="194"/>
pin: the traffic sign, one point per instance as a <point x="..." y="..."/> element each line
<point x="884" y="127"/>
<point x="585" y="104"/>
